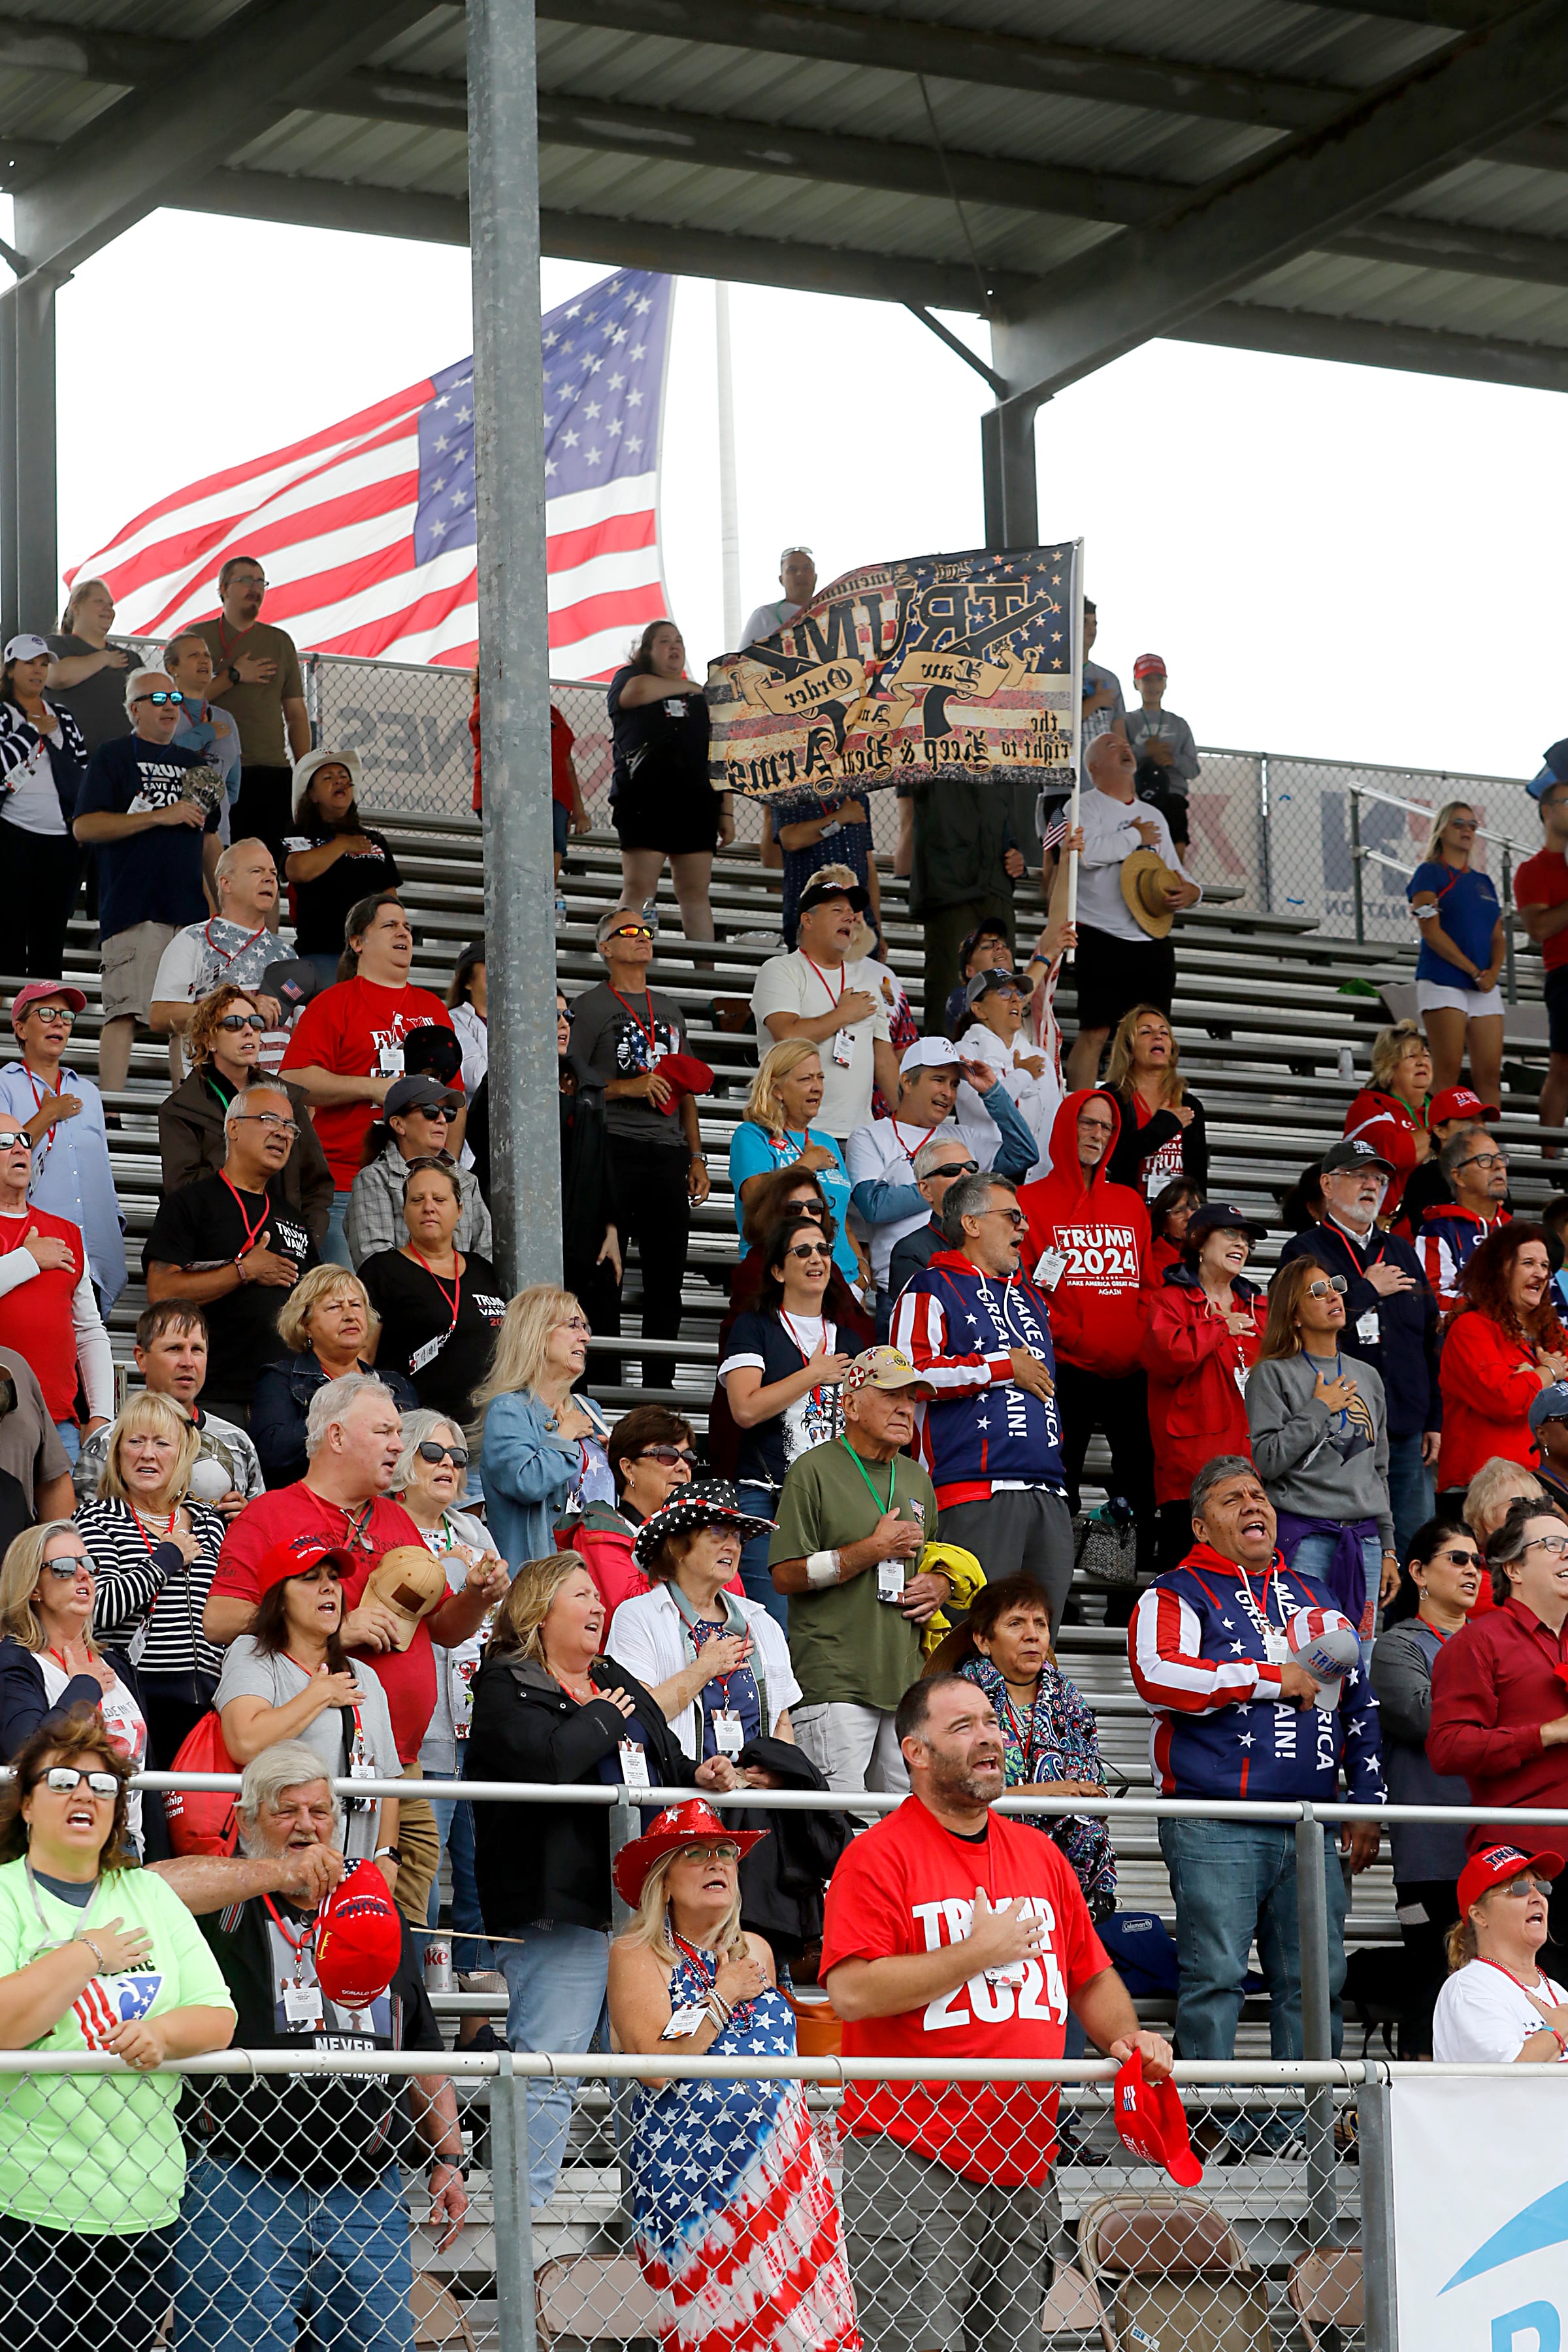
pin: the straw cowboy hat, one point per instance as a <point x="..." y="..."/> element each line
<point x="1143" y="876"/>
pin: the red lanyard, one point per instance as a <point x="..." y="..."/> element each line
<point x="356" y="1522"/>
<point x="632" y="1013"/>
<point x="926" y="1134"/>
<point x="1529" y="1992"/>
<point x="22" y="1219"/>
<point x="223" y="641"/>
<point x="142" y="1530"/>
<point x="696" y="1960"/>
<point x="795" y="1335"/>
<point x="457" y="1283"/>
<point x="822" y="976"/>
<point x="296" y="1943"/>
<point x="241" y="950"/>
<point x="250" y="1230"/>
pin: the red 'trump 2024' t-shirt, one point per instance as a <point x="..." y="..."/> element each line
<point x="908" y="1886"/>
<point x="356" y="1029"/>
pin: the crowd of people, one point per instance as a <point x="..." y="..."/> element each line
<point x="360" y="1520"/>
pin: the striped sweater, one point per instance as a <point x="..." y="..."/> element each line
<point x="148" y="1601"/>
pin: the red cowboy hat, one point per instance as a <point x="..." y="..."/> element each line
<point x="692" y="1823"/>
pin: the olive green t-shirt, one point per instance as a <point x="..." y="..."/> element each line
<point x="844" y="1644"/>
<point x="256" y="711"/>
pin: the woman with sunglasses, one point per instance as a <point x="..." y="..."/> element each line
<point x="439" y="1307"/>
<point x="224" y="1045"/>
<point x="1320" y="1438"/>
<point x="1461" y="959"/>
<point x="92" y="2168"/>
<point x="325" y="1323"/>
<point x="782" y="1370"/>
<point x="49" y="1659"/>
<point x="1438" y="1586"/>
<point x="1497" y="2006"/>
<point x="415" y="1123"/>
<point x="432" y="1472"/>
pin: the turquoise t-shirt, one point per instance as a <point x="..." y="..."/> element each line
<point x="754" y="1152"/>
<point x="100" y="2154"/>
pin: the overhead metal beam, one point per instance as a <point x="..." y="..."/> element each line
<point x="1151" y="279"/>
<point x="1419" y="350"/>
<point x="275" y="55"/>
<point x="1415" y="241"/>
<point x="362" y="209"/>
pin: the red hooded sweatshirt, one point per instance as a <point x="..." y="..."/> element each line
<point x="1098" y="1301"/>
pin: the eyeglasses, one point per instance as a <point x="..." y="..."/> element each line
<point x="1486" y="1159"/>
<point x="576" y="1323"/>
<point x="62" y="1013"/>
<point x="267" y="1118"/>
<point x="234" y="1021"/>
<point x="1555" y="1547"/>
<point x="65" y="1566"/>
<point x="164" y="694"/>
<point x="959" y="1168"/>
<point x="65" y="1780"/>
<point x="1524" y="1885"/>
<point x="10" y="1142"/>
<point x="430" y="1449"/>
<point x="668" y="1454"/>
<point x="710" y="1853"/>
<point x="1332" y="1286"/>
<point x="809" y="1249"/>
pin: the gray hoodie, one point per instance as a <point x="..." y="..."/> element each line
<point x="1297" y="1450"/>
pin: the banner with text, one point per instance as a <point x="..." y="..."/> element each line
<point x="1480" y="2213"/>
<point x="945" y="665"/>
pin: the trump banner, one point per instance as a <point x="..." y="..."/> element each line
<point x="942" y="666"/>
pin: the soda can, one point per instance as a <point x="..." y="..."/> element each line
<point x="437" y="1965"/>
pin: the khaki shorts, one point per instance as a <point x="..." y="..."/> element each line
<point x="128" y="963"/>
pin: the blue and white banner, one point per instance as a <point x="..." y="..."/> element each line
<point x="1480" y="2212"/>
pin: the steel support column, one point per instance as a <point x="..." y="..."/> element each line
<point x="32" y="588"/>
<point x="514" y="645"/>
<point x="1007" y="460"/>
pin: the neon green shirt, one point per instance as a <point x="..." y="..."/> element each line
<point x="100" y="2154"/>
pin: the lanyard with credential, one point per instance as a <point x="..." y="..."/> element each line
<point x="892" y="1475"/>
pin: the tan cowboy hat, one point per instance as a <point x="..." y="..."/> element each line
<point x="1143" y="876"/>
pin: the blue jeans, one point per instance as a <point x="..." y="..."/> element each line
<point x="1410" y="1498"/>
<point x="555" y="1979"/>
<point x="1313" y="1554"/>
<point x="70" y="1438"/>
<point x="335" y="1249"/>
<point x="257" y="2256"/>
<point x="454" y="1828"/>
<point x="1232" y="1880"/>
<point x="754" y="1574"/>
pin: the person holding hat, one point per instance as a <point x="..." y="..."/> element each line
<point x="549" y="1707"/>
<point x="1319" y="1423"/>
<point x="1205" y="1331"/>
<point x="1476" y="1166"/>
<point x="63" y="1116"/>
<point x="1164" y="1130"/>
<point x="1498" y="2006"/>
<point x="440" y="1307"/>
<point x="992" y="1031"/>
<point x="332" y="859"/>
<point x="289" y="1678"/>
<point x="227" y="1039"/>
<point x="623" y="1031"/>
<point x="235" y="944"/>
<point x="1391" y="1114"/>
<point x="417" y="1118"/>
<point x="1124" y="955"/>
<point x="853" y="1519"/>
<point x="1391" y="1316"/>
<point x="726" y="2262"/>
<point x="1540" y="895"/>
<point x="826" y="996"/>
<point x="1164" y="747"/>
<point x="1449" y="1114"/>
<point x="1457" y="972"/>
<point x="295" y="2207"/>
<point x="1503" y="1344"/>
<point x="717" y="1663"/>
<point x="43" y="760"/>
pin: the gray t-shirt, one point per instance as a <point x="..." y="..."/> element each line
<point x="617" y="1038"/>
<point x="246" y="1674"/>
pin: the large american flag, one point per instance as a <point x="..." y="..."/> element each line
<point x="367" y="532"/>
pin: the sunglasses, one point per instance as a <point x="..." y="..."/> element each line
<point x="420" y="1110"/>
<point x="1332" y="1287"/>
<point x="68" y="1567"/>
<point x="630" y="931"/>
<point x="809" y="1249"/>
<point x="11" y="1143"/>
<point x="1458" y="1559"/>
<point x="1015" y="1217"/>
<point x="164" y="694"/>
<point x="959" y="1168"/>
<point x="234" y="1021"/>
<point x="267" y="1118"/>
<point x="65" y="1780"/>
<point x="668" y="1454"/>
<point x="430" y="1449"/>
<point x="1525" y="1884"/>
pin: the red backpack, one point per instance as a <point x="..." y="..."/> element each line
<point x="203" y="1820"/>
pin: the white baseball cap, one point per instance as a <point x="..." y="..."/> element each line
<point x="930" y="1053"/>
<point x="25" y="649"/>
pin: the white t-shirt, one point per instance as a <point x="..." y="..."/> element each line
<point x="1482" y="2018"/>
<point x="455" y="1667"/>
<point x="883" y="1151"/>
<point x="792" y="983"/>
<point x="766" y="619"/>
<point x="125" y="1724"/>
<point x="1110" y="836"/>
<point x="30" y="801"/>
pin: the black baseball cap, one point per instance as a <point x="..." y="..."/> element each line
<point x="1354" y="1152"/>
<point x="1219" y="1217"/>
<point x="420" y="1092"/>
<point x="818" y="891"/>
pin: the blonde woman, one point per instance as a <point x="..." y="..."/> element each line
<point x="1460" y="922"/>
<point x="543" y="1446"/>
<point x="329" y="1328"/>
<point x="1495" y="1485"/>
<point x="549" y="1707"/>
<point x="686" y="1977"/>
<point x="777" y="1131"/>
<point x="1163" y="1132"/>
<point x="153" y="1550"/>
<point x="1390" y="1113"/>
<point x="49" y="1661"/>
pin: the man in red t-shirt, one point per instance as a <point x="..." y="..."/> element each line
<point x="354" y="1436"/>
<point x="1540" y="894"/>
<point x="954" y="1932"/>
<point x="347" y="1045"/>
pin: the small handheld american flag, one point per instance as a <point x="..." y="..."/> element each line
<point x="111" y="2001"/>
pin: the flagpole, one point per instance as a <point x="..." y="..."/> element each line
<point x="1076" y="590"/>
<point x="729" y="503"/>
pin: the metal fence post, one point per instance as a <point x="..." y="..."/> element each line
<point x="1264" y="848"/>
<point x="1317" y="2021"/>
<point x="1374" y="2142"/>
<point x="515" y="2330"/>
<point x="1356" y="867"/>
<point x="312" y="668"/>
<point x="1510" y="977"/>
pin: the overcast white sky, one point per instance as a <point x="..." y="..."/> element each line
<point x="1313" y="548"/>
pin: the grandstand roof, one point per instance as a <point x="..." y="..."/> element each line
<point x="1386" y="183"/>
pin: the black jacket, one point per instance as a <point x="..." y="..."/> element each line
<point x="24" y="1705"/>
<point x="282" y="1402"/>
<point x="783" y="1879"/>
<point x="1134" y="1143"/>
<point x="1404" y="1353"/>
<point x="911" y="1256"/>
<point x="192" y="1142"/>
<point x="552" y="1861"/>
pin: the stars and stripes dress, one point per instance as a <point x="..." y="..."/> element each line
<point x="737" y="2226"/>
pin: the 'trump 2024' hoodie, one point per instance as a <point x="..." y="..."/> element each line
<point x="1093" y="1238"/>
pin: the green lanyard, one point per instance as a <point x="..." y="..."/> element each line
<point x="892" y="1474"/>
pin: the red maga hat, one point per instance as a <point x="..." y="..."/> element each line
<point x="295" y="1556"/>
<point x="1459" y="1102"/>
<point x="1152" y="2121"/>
<point x="359" y="1939"/>
<point x="693" y="1823"/>
<point x="1495" y="1867"/>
